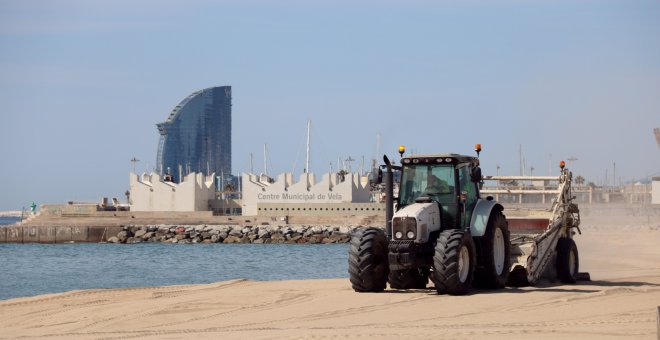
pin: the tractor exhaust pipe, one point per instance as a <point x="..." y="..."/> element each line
<point x="389" y="199"/>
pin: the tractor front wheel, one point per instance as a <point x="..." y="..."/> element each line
<point x="367" y="260"/>
<point x="453" y="262"/>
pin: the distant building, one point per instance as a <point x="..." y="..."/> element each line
<point x="196" y="137"/>
<point x="334" y="195"/>
<point x="150" y="192"/>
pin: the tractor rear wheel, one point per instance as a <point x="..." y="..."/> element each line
<point x="567" y="260"/>
<point x="413" y="278"/>
<point x="495" y="254"/>
<point x="367" y="260"/>
<point x="453" y="262"/>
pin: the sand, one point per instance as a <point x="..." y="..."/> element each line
<point x="621" y="301"/>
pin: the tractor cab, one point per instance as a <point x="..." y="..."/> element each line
<point x="448" y="180"/>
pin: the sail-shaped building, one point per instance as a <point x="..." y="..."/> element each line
<point x="196" y="137"/>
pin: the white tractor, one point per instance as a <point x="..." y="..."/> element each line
<point x="443" y="229"/>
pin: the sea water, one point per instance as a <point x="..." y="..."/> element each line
<point x="8" y="220"/>
<point x="33" y="269"/>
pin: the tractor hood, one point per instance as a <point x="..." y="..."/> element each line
<point x="421" y="218"/>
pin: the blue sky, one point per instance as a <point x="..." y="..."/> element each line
<point x="83" y="84"/>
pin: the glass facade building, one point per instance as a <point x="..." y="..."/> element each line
<point x="196" y="137"/>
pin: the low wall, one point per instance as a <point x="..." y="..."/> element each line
<point x="61" y="234"/>
<point x="321" y="209"/>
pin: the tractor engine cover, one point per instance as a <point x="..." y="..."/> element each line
<point x="415" y="222"/>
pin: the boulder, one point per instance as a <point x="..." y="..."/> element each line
<point x="122" y="236"/>
<point x="315" y="239"/>
<point x="291" y="235"/>
<point x="276" y="236"/>
<point x="232" y="239"/>
<point x="140" y="233"/>
<point x="147" y="236"/>
<point x="113" y="239"/>
<point x="328" y="240"/>
<point x="263" y="233"/>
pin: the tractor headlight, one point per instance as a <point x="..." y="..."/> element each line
<point x="404" y="228"/>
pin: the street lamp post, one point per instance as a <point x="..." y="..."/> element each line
<point x="134" y="160"/>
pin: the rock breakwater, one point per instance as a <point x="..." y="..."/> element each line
<point x="233" y="234"/>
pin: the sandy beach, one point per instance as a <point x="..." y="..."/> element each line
<point x="621" y="301"/>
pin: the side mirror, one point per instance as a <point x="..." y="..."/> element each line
<point x="376" y="176"/>
<point x="475" y="175"/>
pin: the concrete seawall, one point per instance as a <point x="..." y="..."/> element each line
<point x="56" y="234"/>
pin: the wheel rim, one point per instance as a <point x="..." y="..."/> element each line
<point x="571" y="262"/>
<point x="498" y="251"/>
<point x="463" y="264"/>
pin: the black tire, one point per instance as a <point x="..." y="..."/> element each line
<point x="568" y="262"/>
<point x="449" y="272"/>
<point x="367" y="260"/>
<point x="414" y="278"/>
<point x="492" y="271"/>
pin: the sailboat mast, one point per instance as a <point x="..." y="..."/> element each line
<point x="265" y="161"/>
<point x="309" y="124"/>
